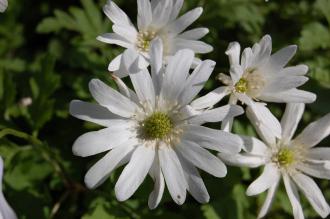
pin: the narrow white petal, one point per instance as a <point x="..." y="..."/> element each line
<point x="233" y="53"/>
<point x="236" y="73"/>
<point x="176" y="74"/>
<point x="254" y="146"/>
<point x="312" y="193"/>
<point x="295" y="70"/>
<point x="268" y="201"/>
<point x="315" y="168"/>
<point x="124" y="90"/>
<point x="135" y="172"/>
<point x="289" y="96"/>
<point x="319" y="153"/>
<point x="196" y="81"/>
<point x="115" y="63"/>
<point x="242" y="160"/>
<point x="132" y="62"/>
<point x="210" y="99"/>
<point x="144" y="14"/>
<point x="195" y="45"/>
<point x="196" y="186"/>
<point x="268" y="178"/>
<point x="101" y="170"/>
<point x="3" y="7"/>
<point x="129" y="33"/>
<point x="115" y="14"/>
<point x="290" y="119"/>
<point x="283" y="83"/>
<point x="112" y="99"/>
<point x="113" y="38"/>
<point x="279" y="59"/>
<point x="173" y="174"/>
<point x="156" y="63"/>
<point x="315" y="132"/>
<point x="213" y="139"/>
<point x="202" y="158"/>
<point x="143" y="86"/>
<point x="185" y="20"/>
<point x="247" y="58"/>
<point x="194" y="34"/>
<point x="157" y="175"/>
<point x="161" y="13"/>
<point x="217" y="114"/>
<point x="92" y="113"/>
<point x="177" y="5"/>
<point x="265" y="123"/>
<point x="293" y="195"/>
<point x="95" y="142"/>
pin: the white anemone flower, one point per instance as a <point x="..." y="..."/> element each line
<point x="6" y="212"/>
<point x="293" y="160"/>
<point x="152" y="131"/>
<point x="259" y="76"/>
<point x="155" y="19"/>
<point x="3" y="5"/>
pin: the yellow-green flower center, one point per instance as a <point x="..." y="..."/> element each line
<point x="285" y="157"/>
<point x="157" y="126"/>
<point x="144" y="39"/>
<point x="241" y="86"/>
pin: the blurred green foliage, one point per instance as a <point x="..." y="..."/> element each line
<point x="48" y="53"/>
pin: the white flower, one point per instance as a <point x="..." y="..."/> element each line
<point x="260" y="76"/>
<point x="156" y="19"/>
<point x="6" y="212"/>
<point x="294" y="160"/>
<point x="152" y="131"/>
<point x="3" y="5"/>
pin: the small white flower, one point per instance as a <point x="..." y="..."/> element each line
<point x="6" y="212"/>
<point x="3" y="5"/>
<point x="294" y="160"/>
<point x="151" y="130"/>
<point x="156" y="19"/>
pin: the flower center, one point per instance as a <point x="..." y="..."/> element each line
<point x="285" y="157"/>
<point x="157" y="126"/>
<point x="251" y="83"/>
<point x="144" y="39"/>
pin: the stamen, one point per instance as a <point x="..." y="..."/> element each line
<point x="157" y="126"/>
<point x="144" y="39"/>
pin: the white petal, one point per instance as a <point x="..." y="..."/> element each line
<point x="242" y="160"/>
<point x="312" y="193"/>
<point x="268" y="178"/>
<point x="144" y="14"/>
<point x="196" y="81"/>
<point x="112" y="99"/>
<point x="247" y="58"/>
<point x="295" y="70"/>
<point x="315" y="168"/>
<point x="233" y="53"/>
<point x="196" y="186"/>
<point x="265" y="123"/>
<point x="177" y="5"/>
<point x="124" y="90"/>
<point x="113" y="38"/>
<point x="194" y="34"/>
<point x="176" y="74"/>
<point x="217" y="114"/>
<point x="290" y="119"/>
<point x="135" y="172"/>
<point x="293" y="195"/>
<point x="173" y="173"/>
<point x="161" y="13"/>
<point x="210" y="99"/>
<point x="185" y="20"/>
<point x="115" y="63"/>
<point x="95" y="142"/>
<point x="195" y="45"/>
<point x="319" y="153"/>
<point x="115" y="14"/>
<point x="213" y="139"/>
<point x="132" y="62"/>
<point x="101" y="170"/>
<point x="268" y="201"/>
<point x="156" y="63"/>
<point x="202" y="158"/>
<point x="144" y="87"/>
<point x="282" y="83"/>
<point x="3" y="7"/>
<point x="289" y="96"/>
<point x="236" y="73"/>
<point x="279" y="59"/>
<point x="92" y="113"/>
<point x="129" y="33"/>
<point x="315" y="132"/>
<point x="157" y="175"/>
<point x="254" y="146"/>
